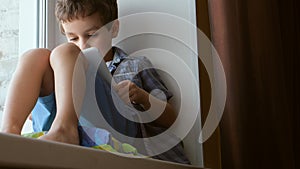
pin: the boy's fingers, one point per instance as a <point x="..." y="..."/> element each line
<point x="126" y="99"/>
<point x="121" y="84"/>
<point x="124" y="92"/>
<point x="126" y="95"/>
<point x="123" y="89"/>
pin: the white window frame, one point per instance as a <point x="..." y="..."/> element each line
<point x="37" y="24"/>
<point x="28" y="25"/>
<point x="47" y="24"/>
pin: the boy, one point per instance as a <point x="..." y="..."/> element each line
<point x="43" y="78"/>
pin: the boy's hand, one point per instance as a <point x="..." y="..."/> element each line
<point x="131" y="93"/>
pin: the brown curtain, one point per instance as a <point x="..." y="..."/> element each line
<point x="258" y="42"/>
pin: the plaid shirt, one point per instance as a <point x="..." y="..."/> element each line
<point x="141" y="72"/>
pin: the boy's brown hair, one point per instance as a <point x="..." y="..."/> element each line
<point x="68" y="10"/>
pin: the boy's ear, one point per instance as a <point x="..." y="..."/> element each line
<point x="115" y="28"/>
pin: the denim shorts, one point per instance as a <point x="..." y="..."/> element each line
<point x="43" y="113"/>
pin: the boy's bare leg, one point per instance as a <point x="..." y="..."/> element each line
<point x="65" y="125"/>
<point x="33" y="77"/>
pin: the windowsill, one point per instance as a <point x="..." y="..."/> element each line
<point x="17" y="151"/>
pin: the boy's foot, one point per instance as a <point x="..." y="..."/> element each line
<point x="11" y="130"/>
<point x="61" y="135"/>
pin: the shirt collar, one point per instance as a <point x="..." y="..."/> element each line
<point x="119" y="56"/>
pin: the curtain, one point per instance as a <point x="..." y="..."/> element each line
<point x="258" y="42"/>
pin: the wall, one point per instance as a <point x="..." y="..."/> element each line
<point x="9" y="44"/>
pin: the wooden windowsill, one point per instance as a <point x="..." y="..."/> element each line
<point x="19" y="152"/>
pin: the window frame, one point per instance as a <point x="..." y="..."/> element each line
<point x="28" y="28"/>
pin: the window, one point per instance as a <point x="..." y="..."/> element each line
<point x="18" y="33"/>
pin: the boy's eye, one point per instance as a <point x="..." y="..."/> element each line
<point x="73" y="39"/>
<point x="93" y="34"/>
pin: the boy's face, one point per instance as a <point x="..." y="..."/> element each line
<point x="89" y="32"/>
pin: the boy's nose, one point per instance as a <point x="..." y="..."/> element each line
<point x="83" y="45"/>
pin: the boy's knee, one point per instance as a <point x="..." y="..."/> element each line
<point x="39" y="52"/>
<point x="65" y="50"/>
<point x="64" y="53"/>
<point x="35" y="57"/>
